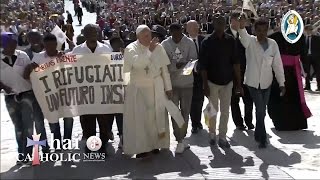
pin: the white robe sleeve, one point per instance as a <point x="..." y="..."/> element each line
<point x="166" y="78"/>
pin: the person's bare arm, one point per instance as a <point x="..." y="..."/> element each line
<point x="29" y="68"/>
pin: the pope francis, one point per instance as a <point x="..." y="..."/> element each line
<point x="147" y="99"/>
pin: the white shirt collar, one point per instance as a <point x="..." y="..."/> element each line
<point x="234" y="32"/>
<point x="84" y="45"/>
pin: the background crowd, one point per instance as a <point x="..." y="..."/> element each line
<point x="121" y="17"/>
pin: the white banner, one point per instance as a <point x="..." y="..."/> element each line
<point x="74" y="85"/>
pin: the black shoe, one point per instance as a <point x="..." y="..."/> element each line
<point x="250" y="126"/>
<point x="27" y="162"/>
<point x="257" y="139"/>
<point x="194" y="130"/>
<point x="213" y="142"/>
<point x="200" y="126"/>
<point x="142" y="155"/>
<point x="242" y="128"/>
<point x="20" y="161"/>
<point x="224" y="143"/>
<point x="318" y="90"/>
<point x="262" y="145"/>
<point x="156" y="151"/>
<point x="307" y="89"/>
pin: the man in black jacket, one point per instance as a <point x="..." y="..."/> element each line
<point x="220" y="67"/>
<point x="198" y="97"/>
<point x="312" y="57"/>
<point x="235" y="99"/>
<point x="79" y="13"/>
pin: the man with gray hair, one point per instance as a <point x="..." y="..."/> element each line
<point x="146" y="124"/>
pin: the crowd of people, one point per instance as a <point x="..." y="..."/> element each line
<point x="252" y="61"/>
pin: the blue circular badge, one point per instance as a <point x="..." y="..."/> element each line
<point x="292" y="26"/>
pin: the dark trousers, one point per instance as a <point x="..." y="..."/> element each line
<point x="20" y="108"/>
<point x="196" y="106"/>
<point x="315" y="63"/>
<point x="235" y="108"/>
<point x="88" y="124"/>
<point x="260" y="98"/>
<point x="39" y="123"/>
<point x="67" y="132"/>
<point x="119" y="120"/>
<point x="80" y="19"/>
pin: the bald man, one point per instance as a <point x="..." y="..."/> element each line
<point x="198" y="96"/>
<point x="146" y="123"/>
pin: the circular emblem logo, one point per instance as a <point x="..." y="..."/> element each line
<point x="94" y="143"/>
<point x="292" y="26"/>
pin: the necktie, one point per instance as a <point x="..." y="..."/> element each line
<point x="308" y="45"/>
<point x="195" y="42"/>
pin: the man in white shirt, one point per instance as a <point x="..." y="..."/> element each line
<point x="50" y="53"/>
<point x="36" y="46"/>
<point x="88" y="122"/>
<point x="263" y="58"/>
<point x="19" y="97"/>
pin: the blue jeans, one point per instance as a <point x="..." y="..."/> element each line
<point x="260" y="98"/>
<point x="20" y="108"/>
<point x="55" y="129"/>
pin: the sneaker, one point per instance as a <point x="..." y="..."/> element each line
<point x="224" y="143"/>
<point x="180" y="148"/>
<point x="212" y="137"/>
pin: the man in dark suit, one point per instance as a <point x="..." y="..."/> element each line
<point x="198" y="96"/>
<point x="312" y="57"/>
<point x="79" y="13"/>
<point x="248" y="104"/>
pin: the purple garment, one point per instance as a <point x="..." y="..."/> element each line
<point x="5" y="37"/>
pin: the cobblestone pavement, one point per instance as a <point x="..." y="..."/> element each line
<point x="290" y="155"/>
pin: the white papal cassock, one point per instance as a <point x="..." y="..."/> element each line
<point x="145" y="114"/>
